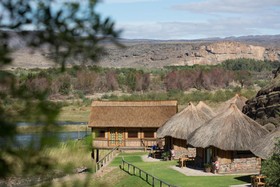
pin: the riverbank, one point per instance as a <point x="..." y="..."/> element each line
<point x="61" y="128"/>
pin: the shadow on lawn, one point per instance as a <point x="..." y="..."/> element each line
<point x="141" y="177"/>
<point x="245" y="178"/>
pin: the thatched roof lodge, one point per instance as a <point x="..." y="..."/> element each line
<point x="178" y="127"/>
<point x="229" y="136"/>
<point x="128" y="123"/>
<point x="265" y="147"/>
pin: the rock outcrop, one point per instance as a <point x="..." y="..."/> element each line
<point x="265" y="107"/>
<point x="216" y="53"/>
<point x="185" y="53"/>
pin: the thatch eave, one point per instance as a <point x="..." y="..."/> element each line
<point x="265" y="147"/>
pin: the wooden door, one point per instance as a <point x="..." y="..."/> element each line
<point x="116" y="137"/>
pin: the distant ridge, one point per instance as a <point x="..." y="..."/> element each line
<point x="147" y="53"/>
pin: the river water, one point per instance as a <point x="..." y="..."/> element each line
<point x="58" y="123"/>
<point x="25" y="139"/>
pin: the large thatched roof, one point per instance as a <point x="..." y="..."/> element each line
<point x="265" y="146"/>
<point x="184" y="122"/>
<point x="230" y="130"/>
<point x="238" y="100"/>
<point x="131" y="113"/>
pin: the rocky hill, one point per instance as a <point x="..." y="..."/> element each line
<point x="172" y="54"/>
<point x="265" y="107"/>
<point x="157" y="54"/>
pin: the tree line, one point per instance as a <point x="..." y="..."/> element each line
<point x="84" y="80"/>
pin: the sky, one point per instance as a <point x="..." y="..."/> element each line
<point x="192" y="19"/>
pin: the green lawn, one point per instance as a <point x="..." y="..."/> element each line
<point x="163" y="171"/>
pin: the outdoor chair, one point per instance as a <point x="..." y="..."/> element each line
<point x="258" y="181"/>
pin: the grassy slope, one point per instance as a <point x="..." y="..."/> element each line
<point x="74" y="113"/>
<point x="163" y="171"/>
<point x="73" y="155"/>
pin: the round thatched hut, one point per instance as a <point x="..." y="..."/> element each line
<point x="178" y="127"/>
<point x="229" y="137"/>
<point x="201" y="106"/>
<point x="265" y="146"/>
<point x="238" y="100"/>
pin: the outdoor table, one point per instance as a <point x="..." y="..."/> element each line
<point x="183" y="160"/>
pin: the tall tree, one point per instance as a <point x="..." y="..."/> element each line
<point x="66" y="30"/>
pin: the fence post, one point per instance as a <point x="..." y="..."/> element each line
<point x="134" y="168"/>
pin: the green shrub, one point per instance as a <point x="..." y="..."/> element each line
<point x="271" y="167"/>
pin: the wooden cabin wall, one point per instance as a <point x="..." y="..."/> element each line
<point x="139" y="140"/>
<point x="99" y="141"/>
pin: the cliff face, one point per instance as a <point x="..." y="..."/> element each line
<point x="157" y="54"/>
<point x="216" y="53"/>
<point x="265" y="107"/>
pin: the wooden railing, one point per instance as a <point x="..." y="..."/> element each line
<point x="150" y="179"/>
<point x="107" y="158"/>
<point x="144" y="142"/>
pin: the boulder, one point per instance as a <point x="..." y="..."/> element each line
<point x="265" y="107"/>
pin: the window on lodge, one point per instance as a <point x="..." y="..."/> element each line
<point x="132" y="134"/>
<point x="101" y="134"/>
<point x="148" y="134"/>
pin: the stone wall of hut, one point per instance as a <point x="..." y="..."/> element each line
<point x="241" y="165"/>
<point x="183" y="152"/>
<point x="181" y="148"/>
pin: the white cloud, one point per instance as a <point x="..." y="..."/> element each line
<point x="229" y="6"/>
<point x="224" y="27"/>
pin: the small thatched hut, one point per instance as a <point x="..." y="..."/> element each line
<point x="128" y="124"/>
<point x="228" y="137"/>
<point x="201" y="106"/>
<point x="265" y="146"/>
<point x="238" y="100"/>
<point x="178" y="128"/>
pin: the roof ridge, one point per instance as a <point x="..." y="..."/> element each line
<point x="135" y="103"/>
